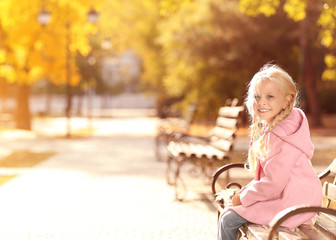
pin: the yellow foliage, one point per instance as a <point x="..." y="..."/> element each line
<point x="330" y="61"/>
<point x="20" y="55"/>
<point x="7" y="72"/>
<point x="327" y="21"/>
<point x="329" y="74"/>
<point x="34" y="51"/>
<point x="34" y="73"/>
<point x="327" y="37"/>
<point x="254" y="8"/>
<point x="2" y="56"/>
<point x="168" y="7"/>
<point x="296" y="9"/>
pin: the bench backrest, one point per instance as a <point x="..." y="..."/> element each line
<point x="223" y="133"/>
<point x="325" y="220"/>
<point x="329" y="187"/>
<point x="190" y="116"/>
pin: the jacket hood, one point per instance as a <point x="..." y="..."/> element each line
<point x="294" y="129"/>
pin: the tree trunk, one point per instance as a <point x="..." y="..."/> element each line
<point x="3" y="94"/>
<point x="309" y="86"/>
<point x="47" y="110"/>
<point x="311" y="90"/>
<point x="22" y="110"/>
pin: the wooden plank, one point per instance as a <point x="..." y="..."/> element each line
<point x="230" y="123"/>
<point x="222" y="144"/>
<point x="214" y="153"/>
<point x="313" y="232"/>
<point x="191" y="150"/>
<point x="223" y="133"/>
<point x="288" y="234"/>
<point x="333" y="167"/>
<point x="255" y="231"/>
<point x="329" y="190"/>
<point x="198" y="150"/>
<point x="326" y="222"/>
<point x="174" y="148"/>
<point x="231" y="112"/>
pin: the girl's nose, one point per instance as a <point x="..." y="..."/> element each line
<point x="262" y="102"/>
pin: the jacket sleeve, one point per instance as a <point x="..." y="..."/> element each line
<point x="276" y="171"/>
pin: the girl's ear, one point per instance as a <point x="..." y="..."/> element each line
<point x="288" y="100"/>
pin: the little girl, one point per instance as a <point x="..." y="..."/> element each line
<point x="279" y="154"/>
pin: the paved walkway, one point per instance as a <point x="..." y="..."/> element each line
<point x="106" y="187"/>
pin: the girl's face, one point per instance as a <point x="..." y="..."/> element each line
<point x="269" y="100"/>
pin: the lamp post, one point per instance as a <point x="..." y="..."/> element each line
<point x="43" y="18"/>
<point x="106" y="45"/>
<point x="91" y="85"/>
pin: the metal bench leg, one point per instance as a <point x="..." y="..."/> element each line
<point x="161" y="143"/>
<point x="170" y="170"/>
<point x="180" y="187"/>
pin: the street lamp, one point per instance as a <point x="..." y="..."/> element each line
<point x="106" y="44"/>
<point x="43" y="18"/>
<point x="92" y="16"/>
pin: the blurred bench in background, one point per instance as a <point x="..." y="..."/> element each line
<point x="206" y="152"/>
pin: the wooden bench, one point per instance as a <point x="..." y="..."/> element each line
<point x="205" y="152"/>
<point x="324" y="227"/>
<point x="167" y="126"/>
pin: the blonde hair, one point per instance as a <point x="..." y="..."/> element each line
<point x="258" y="128"/>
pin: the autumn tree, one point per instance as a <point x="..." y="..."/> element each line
<point x="211" y="50"/>
<point x="30" y="51"/>
<point x="305" y="11"/>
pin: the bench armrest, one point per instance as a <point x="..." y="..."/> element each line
<point x="277" y="222"/>
<point x="222" y="170"/>
<point x="326" y="172"/>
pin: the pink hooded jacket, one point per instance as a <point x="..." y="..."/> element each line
<point x="287" y="177"/>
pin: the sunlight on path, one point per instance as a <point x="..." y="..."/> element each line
<point x="70" y="205"/>
<point x="101" y="126"/>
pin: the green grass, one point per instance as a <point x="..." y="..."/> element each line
<point x="21" y="159"/>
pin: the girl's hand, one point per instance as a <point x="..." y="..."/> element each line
<point x="236" y="200"/>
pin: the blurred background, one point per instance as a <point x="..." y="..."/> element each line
<point x="74" y="58"/>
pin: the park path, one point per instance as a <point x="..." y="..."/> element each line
<point x="105" y="187"/>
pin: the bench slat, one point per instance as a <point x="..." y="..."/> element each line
<point x="288" y="234"/>
<point x="326" y="222"/>
<point x="196" y="150"/>
<point x="231" y="112"/>
<point x="223" y="133"/>
<point x="174" y="149"/>
<point x="224" y="145"/>
<point x="329" y="190"/>
<point x="217" y="154"/>
<point x="313" y="232"/>
<point x="255" y="231"/>
<point x="333" y="167"/>
<point x="230" y="123"/>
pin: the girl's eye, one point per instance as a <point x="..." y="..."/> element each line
<point x="257" y="97"/>
<point x="270" y="96"/>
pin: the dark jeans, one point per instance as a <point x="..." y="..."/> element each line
<point x="228" y="224"/>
